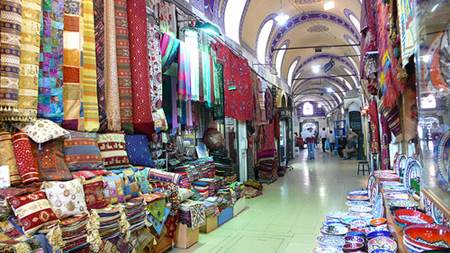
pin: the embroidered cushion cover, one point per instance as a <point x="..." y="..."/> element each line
<point x="43" y="130"/>
<point x="113" y="150"/>
<point x="66" y="198"/>
<point x="81" y="152"/>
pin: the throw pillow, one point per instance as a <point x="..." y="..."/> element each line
<point x="33" y="211"/>
<point x="138" y="150"/>
<point x="94" y="193"/>
<point x="8" y="159"/>
<point x="142" y="180"/>
<point x="114" y="188"/>
<point x="81" y="152"/>
<point x="51" y="164"/>
<point x="88" y="174"/>
<point x="66" y="198"/>
<point x="113" y="150"/>
<point x="26" y="163"/>
<point x="42" y="130"/>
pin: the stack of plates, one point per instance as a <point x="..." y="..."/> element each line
<point x="383" y="243"/>
<point x="358" y="195"/>
<point x="406" y="217"/>
<point x="418" y="238"/>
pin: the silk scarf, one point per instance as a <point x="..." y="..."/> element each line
<point x="29" y="63"/>
<point x="218" y="89"/>
<point x="142" y="107"/>
<point x="123" y="66"/>
<point x="88" y="71"/>
<point x="50" y="100"/>
<point x="111" y="77"/>
<point x="72" y="64"/>
<point x="100" y="61"/>
<point x="206" y="71"/>
<point x="10" y="23"/>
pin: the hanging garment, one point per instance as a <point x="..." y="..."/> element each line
<point x="238" y="88"/>
<point x="169" y="51"/>
<point x="50" y="101"/>
<point x="88" y="71"/>
<point x="111" y="78"/>
<point x="385" y="141"/>
<point x="29" y="63"/>
<point x="192" y="52"/>
<point x="10" y="22"/>
<point x="268" y="101"/>
<point x="184" y="85"/>
<point x="218" y="89"/>
<point x="123" y="66"/>
<point x="71" y="68"/>
<point x="167" y="17"/>
<point x="100" y="62"/>
<point x="260" y="110"/>
<point x="374" y="123"/>
<point x="206" y="77"/>
<point x="142" y="107"/>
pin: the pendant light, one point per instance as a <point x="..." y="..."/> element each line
<point x="282" y="17"/>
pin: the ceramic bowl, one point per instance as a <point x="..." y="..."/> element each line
<point x="360" y="209"/>
<point x="358" y="192"/>
<point x="354" y="239"/>
<point x="358" y="223"/>
<point x="330" y="241"/>
<point x="326" y="250"/>
<point x="426" y="235"/>
<point x="383" y="243"/>
<point x="357" y="234"/>
<point x="334" y="230"/>
<point x="413" y="245"/>
<point x="358" y="197"/>
<point x="351" y="246"/>
<point x="378" y="222"/>
<point x="374" y="234"/>
<point x="357" y="203"/>
<point x="411" y="217"/>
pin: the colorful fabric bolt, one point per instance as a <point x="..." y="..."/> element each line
<point x="8" y="158"/>
<point x="168" y="177"/>
<point x="88" y="70"/>
<point x="206" y="71"/>
<point x="123" y="66"/>
<point x="50" y="100"/>
<point x="111" y="77"/>
<point x="26" y="163"/>
<point x="100" y="62"/>
<point x="72" y="63"/>
<point x="10" y="23"/>
<point x="142" y="106"/>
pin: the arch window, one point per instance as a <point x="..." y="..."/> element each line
<point x="263" y="39"/>
<point x="291" y="72"/>
<point x="308" y="109"/>
<point x="233" y="16"/>
<point x="279" y="59"/>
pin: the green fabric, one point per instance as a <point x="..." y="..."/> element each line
<point x="218" y="89"/>
<point x="206" y="65"/>
<point x="156" y="209"/>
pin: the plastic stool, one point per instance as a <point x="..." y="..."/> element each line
<point x="362" y="165"/>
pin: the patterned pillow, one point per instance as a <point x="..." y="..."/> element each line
<point x="112" y="148"/>
<point x="114" y="188"/>
<point x="81" y="152"/>
<point x="93" y="191"/>
<point x="33" y="211"/>
<point x="66" y="198"/>
<point x="43" y="130"/>
<point x="26" y="163"/>
<point x="130" y="187"/>
<point x="138" y="150"/>
<point x="88" y="174"/>
<point x="8" y="159"/>
<point x="142" y="180"/>
<point x="50" y="157"/>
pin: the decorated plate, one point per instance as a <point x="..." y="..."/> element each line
<point x="358" y="192"/>
<point x="378" y="222"/>
<point x="396" y="195"/>
<point x="429" y="235"/>
<point x="403" y="203"/>
<point x="330" y="240"/>
<point x="413" y="171"/>
<point x="336" y="215"/>
<point x="358" y="223"/>
<point x="378" y="207"/>
<point x="358" y="197"/>
<point x="357" y="203"/>
<point x="354" y="239"/>
<point x="381" y="243"/>
<point x="411" y="217"/>
<point x="334" y="230"/>
<point x="360" y="209"/>
<point x="375" y="234"/>
<point x="351" y="246"/>
<point x="327" y="250"/>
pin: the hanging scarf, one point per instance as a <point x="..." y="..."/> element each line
<point x="29" y="63"/>
<point x="10" y="23"/>
<point x="88" y="72"/>
<point x="111" y="79"/>
<point x="206" y="71"/>
<point x="123" y="66"/>
<point x="193" y="65"/>
<point x="169" y="51"/>
<point x="71" y="68"/>
<point x="142" y="118"/>
<point x="100" y="62"/>
<point x="260" y="110"/>
<point x="50" y="102"/>
<point x="174" y="82"/>
<point x="268" y="101"/>
<point x="218" y="89"/>
<point x="374" y="123"/>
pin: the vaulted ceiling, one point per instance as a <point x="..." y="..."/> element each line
<point x="309" y="25"/>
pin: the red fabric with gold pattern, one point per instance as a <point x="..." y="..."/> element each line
<point x="93" y="190"/>
<point x="26" y="163"/>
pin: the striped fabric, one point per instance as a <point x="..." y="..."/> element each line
<point x="123" y="66"/>
<point x="100" y="62"/>
<point x="29" y="63"/>
<point x="88" y="71"/>
<point x="113" y="150"/>
<point x="111" y="78"/>
<point x="71" y="68"/>
<point x="10" y="24"/>
<point x="81" y="152"/>
<point x="50" y="101"/>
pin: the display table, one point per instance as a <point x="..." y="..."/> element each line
<point x="398" y="231"/>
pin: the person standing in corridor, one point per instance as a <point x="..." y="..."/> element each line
<point x="310" y="138"/>
<point x="323" y="138"/>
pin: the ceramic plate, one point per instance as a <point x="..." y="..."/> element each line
<point x="358" y="192"/>
<point x="402" y="203"/>
<point x="331" y="240"/>
<point x="358" y="197"/>
<point x="375" y="234"/>
<point x="378" y="222"/>
<point x="354" y="239"/>
<point x="381" y="243"/>
<point x="334" y="230"/>
<point x="411" y="217"/>
<point x="357" y="203"/>
<point x="326" y="250"/>
<point x="336" y="215"/>
<point x="429" y="235"/>
<point x="358" y="223"/>
<point x="396" y="195"/>
<point x="351" y="246"/>
<point x="360" y="209"/>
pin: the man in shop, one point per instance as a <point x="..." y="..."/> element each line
<point x="352" y="143"/>
<point x="332" y="140"/>
<point x="310" y="138"/>
<point x="323" y="138"/>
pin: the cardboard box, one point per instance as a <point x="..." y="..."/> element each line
<point x="225" y="215"/>
<point x="239" y="206"/>
<point x="186" y="237"/>
<point x="211" y="224"/>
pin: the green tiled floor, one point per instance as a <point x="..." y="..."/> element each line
<point x="288" y="216"/>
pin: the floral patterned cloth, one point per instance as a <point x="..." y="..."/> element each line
<point x="66" y="198"/>
<point x="43" y="130"/>
<point x="94" y="192"/>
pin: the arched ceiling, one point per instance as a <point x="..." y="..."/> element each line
<point x="308" y="25"/>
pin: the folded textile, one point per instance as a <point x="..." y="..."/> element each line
<point x="164" y="176"/>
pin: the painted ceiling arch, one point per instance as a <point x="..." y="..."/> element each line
<point x="336" y="87"/>
<point x="331" y="103"/>
<point x="338" y="97"/>
<point x="332" y="79"/>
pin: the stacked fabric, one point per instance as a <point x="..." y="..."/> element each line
<point x="203" y="188"/>
<point x="164" y="176"/>
<point x="267" y="166"/>
<point x="74" y="233"/>
<point x="224" y="198"/>
<point x="111" y="222"/>
<point x="184" y="182"/>
<point x="157" y="211"/>
<point x="192" y="213"/>
<point x="135" y="212"/>
<point x="222" y="163"/>
<point x="211" y="206"/>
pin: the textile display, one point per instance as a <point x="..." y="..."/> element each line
<point x="392" y="117"/>
<point x="184" y="80"/>
<point x="407" y="24"/>
<point x="100" y="61"/>
<point x="123" y="66"/>
<point x="218" y="89"/>
<point x="268" y="101"/>
<point x="8" y="158"/>
<point x="260" y="109"/>
<point x="195" y="211"/>
<point x="160" y="121"/>
<point x="11" y="24"/>
<point x="33" y="211"/>
<point x="192" y="51"/>
<point x="66" y="198"/>
<point x="142" y="180"/>
<point x="238" y="88"/>
<point x="374" y="123"/>
<point x="42" y="130"/>
<point x="135" y="212"/>
<point x="138" y="150"/>
<point x="167" y="17"/>
<point x="81" y="152"/>
<point x="206" y="77"/>
<point x="154" y="58"/>
<point x="51" y="164"/>
<point x="140" y="76"/>
<point x="385" y="141"/>
<point x="113" y="188"/>
<point x="26" y="163"/>
<point x="89" y="70"/>
<point x="88" y="174"/>
<point x="72" y="63"/>
<point x="169" y="50"/>
<point x="94" y="193"/>
<point x="50" y="100"/>
<point x="112" y="100"/>
<point x="113" y="150"/>
<point x="164" y="176"/>
<point x="157" y="225"/>
<point x="29" y="63"/>
<point x="74" y="232"/>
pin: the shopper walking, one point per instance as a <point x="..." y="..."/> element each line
<point x="331" y="140"/>
<point x="323" y="138"/>
<point x="310" y="138"/>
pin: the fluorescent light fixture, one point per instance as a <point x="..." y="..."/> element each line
<point x="329" y="90"/>
<point x="435" y="7"/>
<point x="328" y="5"/>
<point x="319" y="105"/>
<point x="315" y="69"/>
<point x="281" y="18"/>
<point x="426" y="58"/>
